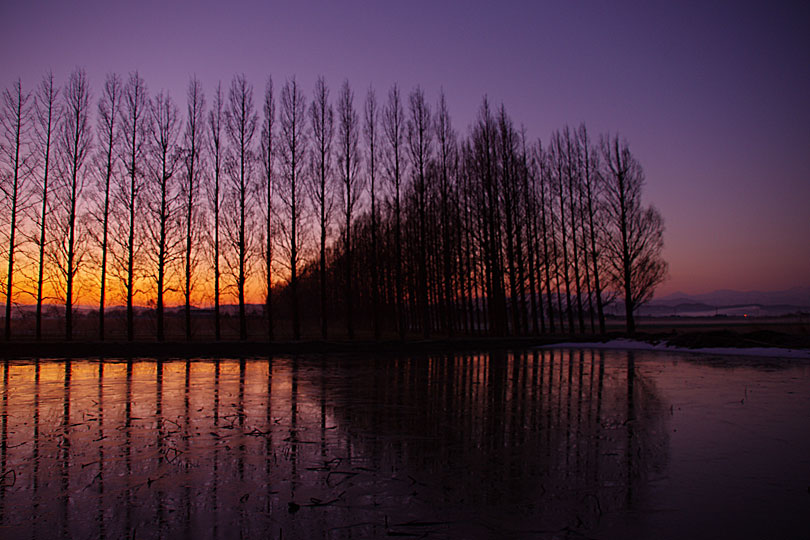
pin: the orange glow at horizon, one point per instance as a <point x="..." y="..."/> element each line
<point x="86" y="290"/>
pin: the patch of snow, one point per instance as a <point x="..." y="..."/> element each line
<point x="629" y="344"/>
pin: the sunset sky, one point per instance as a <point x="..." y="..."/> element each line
<point x="713" y="99"/>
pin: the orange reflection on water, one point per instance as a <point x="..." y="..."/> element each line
<point x="464" y="445"/>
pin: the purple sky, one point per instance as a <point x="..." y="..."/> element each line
<point x="714" y="100"/>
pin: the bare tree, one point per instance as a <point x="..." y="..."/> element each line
<point x="482" y="167"/>
<point x="592" y="190"/>
<point x="74" y="142"/>
<point x="446" y="139"/>
<point x="547" y="195"/>
<point x="545" y="228"/>
<point x="520" y="170"/>
<point x="633" y="238"/>
<point x="322" y="124"/>
<point x="268" y="156"/>
<point x="46" y="111"/>
<point x="351" y="188"/>
<point x="217" y="152"/>
<point x="420" y="137"/>
<point x="134" y="124"/>
<point x="14" y="122"/>
<point x="291" y="184"/>
<point x="240" y="126"/>
<point x="162" y="197"/>
<point x="564" y="227"/>
<point x="507" y="168"/>
<point x="371" y="132"/>
<point x="573" y="178"/>
<point x="394" y="131"/>
<point x="190" y="187"/>
<point x="108" y="139"/>
<point x="558" y="164"/>
<point x="529" y="195"/>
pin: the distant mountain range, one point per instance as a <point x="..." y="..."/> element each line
<point x="729" y="302"/>
<point x="799" y="296"/>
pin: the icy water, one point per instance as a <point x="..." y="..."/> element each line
<point x="532" y="444"/>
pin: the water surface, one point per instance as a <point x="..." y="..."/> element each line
<point x="531" y="444"/>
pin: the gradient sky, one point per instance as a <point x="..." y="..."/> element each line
<point x="713" y="98"/>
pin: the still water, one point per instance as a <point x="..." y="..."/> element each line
<point x="530" y="444"/>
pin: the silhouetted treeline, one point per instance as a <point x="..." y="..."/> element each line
<point x="324" y="217"/>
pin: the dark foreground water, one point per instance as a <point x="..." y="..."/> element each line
<point x="536" y="444"/>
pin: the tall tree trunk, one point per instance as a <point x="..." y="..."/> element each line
<point x="563" y="235"/>
<point x="194" y="127"/>
<point x="215" y="134"/>
<point x="76" y="140"/>
<point x="348" y="140"/>
<point x="240" y="123"/>
<point x="571" y="172"/>
<point x="108" y="109"/>
<point x="545" y="234"/>
<point x="393" y="122"/>
<point x="293" y="136"/>
<point x="134" y="123"/>
<point x="370" y="130"/>
<point x="268" y="134"/>
<point x="531" y="239"/>
<point x="15" y="115"/>
<point x="45" y="104"/>
<point x="589" y="179"/>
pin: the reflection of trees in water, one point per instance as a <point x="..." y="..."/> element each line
<point x="358" y="447"/>
<point x="562" y="436"/>
<point x="4" y="472"/>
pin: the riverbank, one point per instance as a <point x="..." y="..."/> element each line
<point x="771" y="343"/>
<point x="155" y="349"/>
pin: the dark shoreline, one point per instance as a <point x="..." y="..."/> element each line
<point x="124" y="349"/>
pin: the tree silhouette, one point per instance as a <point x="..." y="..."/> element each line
<point x="394" y="130"/>
<point x="351" y="184"/>
<point x="420" y="136"/>
<point x="633" y="233"/>
<point x="544" y="229"/>
<point x="572" y="184"/>
<point x="267" y="153"/>
<point x="291" y="184"/>
<point x="108" y="138"/>
<point x="481" y="233"/>
<point x="240" y="126"/>
<point x="529" y="194"/>
<point x="557" y="155"/>
<point x="217" y="152"/>
<point x="507" y="170"/>
<point x="14" y="123"/>
<point x="46" y="113"/>
<point x="193" y="144"/>
<point x="482" y="166"/>
<point x="74" y="143"/>
<point x="162" y="197"/>
<point x="592" y="191"/>
<point x="322" y="126"/>
<point x="446" y="143"/>
<point x="135" y="127"/>
<point x="371" y="134"/>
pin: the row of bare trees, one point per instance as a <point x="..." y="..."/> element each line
<point x="375" y="216"/>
